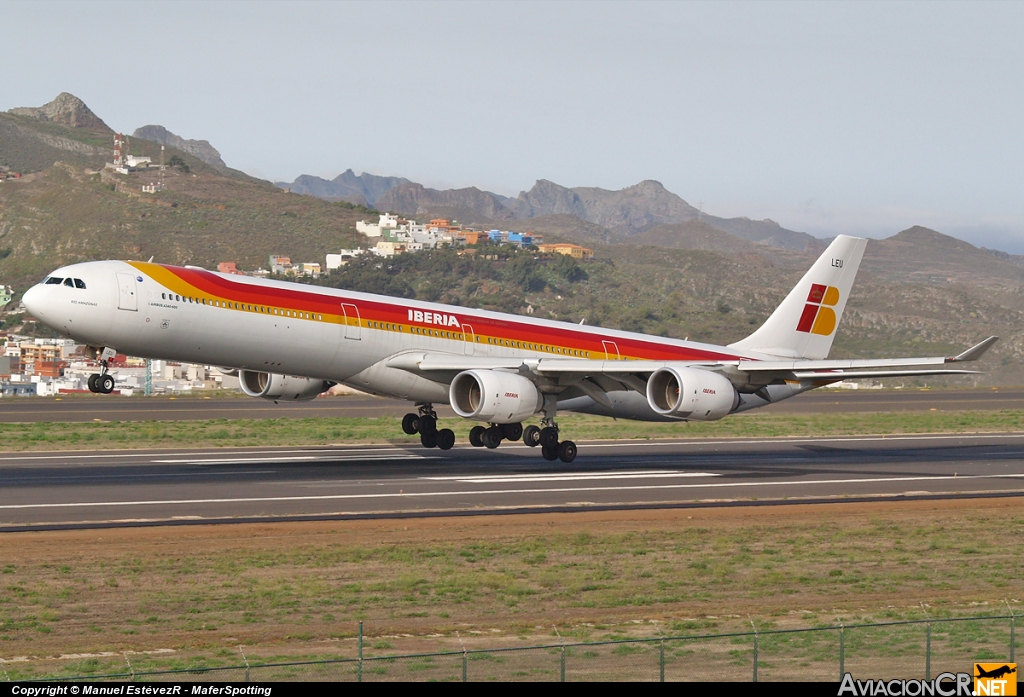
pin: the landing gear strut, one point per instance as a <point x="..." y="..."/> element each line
<point x="547" y="439"/>
<point x="425" y="424"/>
<point x="103" y="382"/>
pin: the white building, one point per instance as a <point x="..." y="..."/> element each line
<point x="387" y="222"/>
<point x="343" y="257"/>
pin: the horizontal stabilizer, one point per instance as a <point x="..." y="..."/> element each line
<point x="977" y="351"/>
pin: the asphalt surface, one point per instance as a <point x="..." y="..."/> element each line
<point x="226" y="485"/>
<point x="116" y="408"/>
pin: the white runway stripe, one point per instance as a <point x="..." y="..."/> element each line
<point x="492" y="492"/>
<point x="568" y="476"/>
<point x="341" y="457"/>
<point x="195" y="455"/>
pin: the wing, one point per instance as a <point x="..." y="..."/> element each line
<point x="595" y="378"/>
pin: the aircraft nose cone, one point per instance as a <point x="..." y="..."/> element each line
<point x="33" y="301"/>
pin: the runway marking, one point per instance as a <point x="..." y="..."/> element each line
<point x="6" y="458"/>
<point x="491" y="492"/>
<point x="143" y="454"/>
<point x="343" y="457"/>
<point x="783" y="441"/>
<point x="567" y="476"/>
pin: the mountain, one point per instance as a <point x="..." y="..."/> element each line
<point x="364" y="189"/>
<point x="66" y="110"/>
<point x="622" y="213"/>
<point x="626" y="211"/>
<point x="693" y="234"/>
<point x="919" y="254"/>
<point x="199" y="148"/>
<point x="470" y="206"/>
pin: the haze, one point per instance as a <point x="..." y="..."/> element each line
<point x="827" y="117"/>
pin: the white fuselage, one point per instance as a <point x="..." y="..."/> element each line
<point x="193" y="315"/>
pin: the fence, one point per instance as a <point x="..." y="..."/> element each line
<point x="906" y="650"/>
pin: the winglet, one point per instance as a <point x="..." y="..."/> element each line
<point x="975" y="352"/>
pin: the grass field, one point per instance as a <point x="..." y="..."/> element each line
<point x="298" y="590"/>
<point x="322" y="431"/>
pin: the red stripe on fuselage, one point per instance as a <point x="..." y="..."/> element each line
<point x="387" y="310"/>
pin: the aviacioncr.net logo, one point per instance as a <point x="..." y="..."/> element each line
<point x="945" y="685"/>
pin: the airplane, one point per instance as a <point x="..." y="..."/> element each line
<point x="290" y="342"/>
<point x="995" y="673"/>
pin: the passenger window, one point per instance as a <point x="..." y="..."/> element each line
<point x="79" y="283"/>
<point x="163" y="296"/>
<point x="54" y="281"/>
<point x="69" y="283"/>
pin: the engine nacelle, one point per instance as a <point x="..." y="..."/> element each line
<point x="493" y="396"/>
<point x="691" y="393"/>
<point x="280" y="387"/>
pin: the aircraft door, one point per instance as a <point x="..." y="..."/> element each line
<point x="470" y="337"/>
<point x="611" y="351"/>
<point x="353" y="324"/>
<point x="127" y="292"/>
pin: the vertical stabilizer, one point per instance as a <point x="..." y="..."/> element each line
<point x="804" y="325"/>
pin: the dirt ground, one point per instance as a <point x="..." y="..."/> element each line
<point x="291" y="589"/>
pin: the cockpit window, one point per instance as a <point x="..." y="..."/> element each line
<point x="69" y="283"/>
<point x="79" y="283"/>
<point x="54" y="281"/>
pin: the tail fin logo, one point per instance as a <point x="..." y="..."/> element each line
<point x="818" y="316"/>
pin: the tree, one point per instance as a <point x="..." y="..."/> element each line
<point x="176" y="161"/>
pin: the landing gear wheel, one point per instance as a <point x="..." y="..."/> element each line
<point x="492" y="437"/>
<point x="411" y="424"/>
<point x="476" y="436"/>
<point x="549" y="437"/>
<point x="512" y="432"/>
<point x="566" y="451"/>
<point x="105" y="383"/>
<point x="428" y="440"/>
<point x="531" y="436"/>
<point x="428" y="424"/>
<point x="445" y="439"/>
<point x="93" y="387"/>
<point x="549" y="453"/>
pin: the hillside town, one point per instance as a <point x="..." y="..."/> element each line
<point x="50" y="367"/>
<point x="392" y="235"/>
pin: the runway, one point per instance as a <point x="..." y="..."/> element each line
<point x="180" y="486"/>
<point x="117" y="408"/>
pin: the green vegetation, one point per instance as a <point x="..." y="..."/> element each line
<point x="176" y="161"/>
<point x="243" y="432"/>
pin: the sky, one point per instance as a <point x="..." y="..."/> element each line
<point x="857" y="118"/>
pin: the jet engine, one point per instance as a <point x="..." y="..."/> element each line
<point x="280" y="387"/>
<point x="493" y="396"/>
<point x="691" y="393"/>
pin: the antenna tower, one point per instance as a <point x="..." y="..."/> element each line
<point x="118" y="151"/>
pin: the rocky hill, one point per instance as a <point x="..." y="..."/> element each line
<point x="364" y="189"/>
<point x="198" y="148"/>
<point x="622" y="213"/>
<point x="66" y="110"/>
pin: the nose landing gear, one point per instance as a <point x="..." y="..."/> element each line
<point x="103" y="382"/>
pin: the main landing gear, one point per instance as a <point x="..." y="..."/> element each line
<point x="103" y="382"/>
<point x="425" y="424"/>
<point x="546" y="437"/>
<point x="490" y="437"/>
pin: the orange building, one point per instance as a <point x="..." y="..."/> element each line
<point x="573" y="250"/>
<point x="471" y="236"/>
<point x="229" y="267"/>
